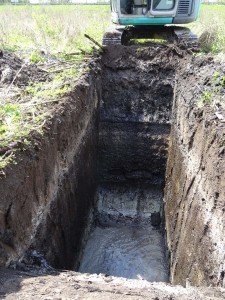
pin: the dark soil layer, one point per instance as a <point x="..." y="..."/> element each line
<point x="195" y="178"/>
<point x="14" y="69"/>
<point x="135" y="113"/>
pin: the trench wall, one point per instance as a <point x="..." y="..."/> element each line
<point x="195" y="182"/>
<point x="134" y="116"/>
<point x="51" y="190"/>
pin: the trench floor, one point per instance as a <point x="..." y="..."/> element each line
<point x="124" y="242"/>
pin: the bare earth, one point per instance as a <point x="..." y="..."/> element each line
<point x="71" y="285"/>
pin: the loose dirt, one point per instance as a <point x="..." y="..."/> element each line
<point x="71" y="285"/>
<point x="16" y="75"/>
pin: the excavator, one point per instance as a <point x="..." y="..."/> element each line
<point x="151" y="19"/>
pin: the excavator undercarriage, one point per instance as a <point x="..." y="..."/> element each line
<point x="152" y="19"/>
<point x="123" y="35"/>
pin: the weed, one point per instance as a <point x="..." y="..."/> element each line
<point x="56" y="30"/>
<point x="207" y="97"/>
<point x="35" y="57"/>
<point x="215" y="95"/>
<point x="7" y="159"/>
<point x="60" y="85"/>
<point x="210" y="28"/>
<point x="17" y="121"/>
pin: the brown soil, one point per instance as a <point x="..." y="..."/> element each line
<point x="16" y="75"/>
<point x="194" y="194"/>
<point x="20" y="72"/>
<point x="34" y="193"/>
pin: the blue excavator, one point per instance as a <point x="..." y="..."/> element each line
<point x="152" y="19"/>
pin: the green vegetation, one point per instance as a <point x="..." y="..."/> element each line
<point x="57" y="30"/>
<point x="48" y="36"/>
<point x="40" y="32"/>
<point x="210" y="27"/>
<point x="17" y="121"/>
<point x="19" y="118"/>
<point x="214" y="94"/>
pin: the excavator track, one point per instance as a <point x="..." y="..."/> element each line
<point x="122" y="35"/>
<point x="184" y="35"/>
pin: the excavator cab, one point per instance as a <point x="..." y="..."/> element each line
<point x="154" y="12"/>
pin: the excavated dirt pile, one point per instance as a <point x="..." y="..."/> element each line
<point x="137" y="148"/>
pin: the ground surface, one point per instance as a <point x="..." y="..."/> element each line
<point x="71" y="285"/>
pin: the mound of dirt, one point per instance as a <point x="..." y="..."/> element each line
<point x="17" y="72"/>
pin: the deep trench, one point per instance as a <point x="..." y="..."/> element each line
<point x="127" y="238"/>
<point x="129" y="177"/>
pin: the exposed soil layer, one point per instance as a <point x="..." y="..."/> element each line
<point x="134" y="127"/>
<point x="135" y="113"/>
<point x="195" y="178"/>
<point x="48" y="197"/>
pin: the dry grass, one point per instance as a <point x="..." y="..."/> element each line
<point x="51" y="30"/>
<point x="211" y="28"/>
<point x="43" y="35"/>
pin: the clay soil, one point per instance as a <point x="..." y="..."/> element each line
<point x="22" y="282"/>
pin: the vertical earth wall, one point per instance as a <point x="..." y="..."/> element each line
<point x="47" y="197"/>
<point x="195" y="179"/>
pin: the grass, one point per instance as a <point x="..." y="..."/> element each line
<point x="210" y="27"/>
<point x="57" y="30"/>
<point x="16" y="121"/>
<point x="52" y="30"/>
<point x="28" y="112"/>
<point x="213" y="94"/>
<point x="44" y="34"/>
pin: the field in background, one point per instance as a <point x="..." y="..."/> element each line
<point x="211" y="24"/>
<point x="58" y="29"/>
<point x="55" y="30"/>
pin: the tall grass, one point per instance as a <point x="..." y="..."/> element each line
<point x="211" y="28"/>
<point x="51" y="29"/>
<point x="60" y="29"/>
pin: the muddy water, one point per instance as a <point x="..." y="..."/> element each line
<point x="132" y="252"/>
<point x="124" y="243"/>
